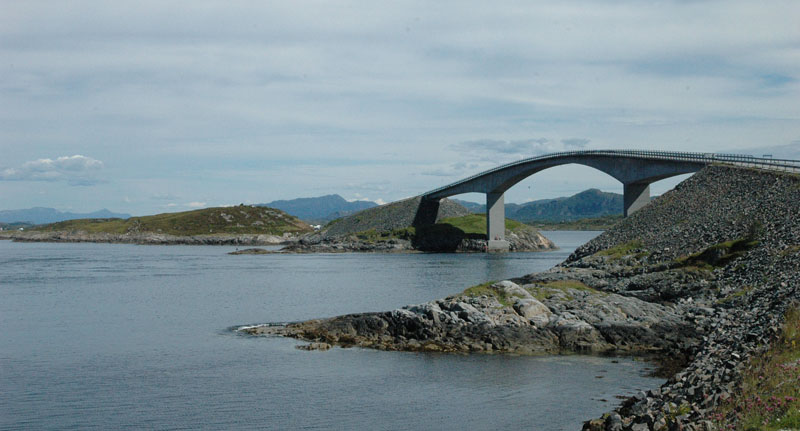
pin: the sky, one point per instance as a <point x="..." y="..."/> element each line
<point x="149" y="106"/>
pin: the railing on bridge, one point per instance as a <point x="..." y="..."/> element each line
<point x="785" y="165"/>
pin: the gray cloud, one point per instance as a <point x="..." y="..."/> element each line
<point x="575" y="143"/>
<point x="454" y="169"/>
<point x="209" y="93"/>
<point x="76" y="170"/>
<point x="791" y="151"/>
<point x="489" y="149"/>
<point x="164" y="197"/>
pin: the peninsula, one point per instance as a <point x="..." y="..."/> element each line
<point x="239" y="225"/>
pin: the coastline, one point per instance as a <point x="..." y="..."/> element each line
<point x="703" y="276"/>
<point x="146" y="238"/>
<point x="316" y="243"/>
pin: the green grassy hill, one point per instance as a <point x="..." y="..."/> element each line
<point x="209" y="221"/>
<point x="476" y="224"/>
<point x="446" y="235"/>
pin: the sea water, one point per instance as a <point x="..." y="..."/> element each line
<point x="108" y="336"/>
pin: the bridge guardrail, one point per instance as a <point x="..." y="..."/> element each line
<point x="785" y="165"/>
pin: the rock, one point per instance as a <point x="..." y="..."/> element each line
<point x="533" y="310"/>
<point x="510" y="289"/>
<point x="251" y="251"/>
<point x="314" y="346"/>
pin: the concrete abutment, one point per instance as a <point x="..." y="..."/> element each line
<point x="636" y="195"/>
<point x="496" y="222"/>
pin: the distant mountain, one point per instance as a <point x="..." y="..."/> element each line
<point x="590" y="203"/>
<point x="40" y="215"/>
<point x="320" y="209"/>
<point x="475" y="207"/>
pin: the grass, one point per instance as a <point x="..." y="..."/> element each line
<point x="735" y="295"/>
<point x="88" y="225"/>
<point x="226" y="220"/>
<point x="718" y="255"/>
<point x="625" y="249"/>
<point x="447" y="234"/>
<point x="476" y="223"/>
<point x="791" y="250"/>
<point x="566" y="288"/>
<point x="770" y="395"/>
<point x="485" y="289"/>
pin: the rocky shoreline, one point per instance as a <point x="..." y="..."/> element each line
<point x="316" y="243"/>
<point x="701" y="278"/>
<point x="528" y="239"/>
<point x="148" y="238"/>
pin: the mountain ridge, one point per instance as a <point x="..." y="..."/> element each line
<point x="44" y="215"/>
<point x="320" y="209"/>
<point x="591" y="203"/>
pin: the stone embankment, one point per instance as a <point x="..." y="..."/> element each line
<point x="145" y="238"/>
<point x="701" y="278"/>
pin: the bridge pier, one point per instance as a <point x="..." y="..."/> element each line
<point x="496" y="222"/>
<point x="636" y="195"/>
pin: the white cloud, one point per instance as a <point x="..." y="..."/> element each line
<point x="455" y="169"/>
<point x="196" y="204"/>
<point x="75" y="170"/>
<point x="359" y="197"/>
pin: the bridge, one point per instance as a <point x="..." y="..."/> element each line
<point x="636" y="170"/>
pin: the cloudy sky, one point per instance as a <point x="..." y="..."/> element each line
<point x="143" y="108"/>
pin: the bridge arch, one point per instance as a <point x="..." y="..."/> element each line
<point x="636" y="170"/>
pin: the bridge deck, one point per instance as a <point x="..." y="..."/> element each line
<point x="635" y="169"/>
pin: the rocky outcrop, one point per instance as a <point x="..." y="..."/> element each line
<point x="441" y="238"/>
<point x="537" y="317"/>
<point x="251" y="251"/>
<point x="703" y="276"/>
<point x="318" y="243"/>
<point x="410" y="225"/>
<point x="145" y="238"/>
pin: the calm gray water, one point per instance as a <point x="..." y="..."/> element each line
<point x="103" y="336"/>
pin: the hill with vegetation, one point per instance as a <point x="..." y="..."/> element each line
<point x="392" y="216"/>
<point x="320" y="209"/>
<point x="396" y="227"/>
<point x="237" y="220"/>
<point x="591" y="203"/>
<point x="15" y="226"/>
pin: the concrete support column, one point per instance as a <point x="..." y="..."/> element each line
<point x="496" y="222"/>
<point x="636" y="196"/>
<point x="427" y="212"/>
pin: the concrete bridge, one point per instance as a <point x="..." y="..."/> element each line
<point x="634" y="169"/>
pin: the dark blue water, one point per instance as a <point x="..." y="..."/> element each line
<point x="101" y="336"/>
